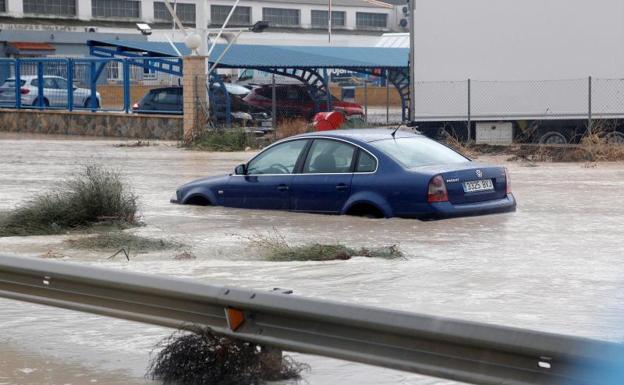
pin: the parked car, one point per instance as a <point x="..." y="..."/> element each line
<point x="168" y="100"/>
<point x="366" y="172"/>
<point x="295" y="101"/>
<point x="55" y="93"/>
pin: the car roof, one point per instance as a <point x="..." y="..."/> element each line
<point x="363" y="134"/>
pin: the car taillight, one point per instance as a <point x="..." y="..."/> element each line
<point x="437" y="190"/>
<point x="24" y="91"/>
<point x="507" y="182"/>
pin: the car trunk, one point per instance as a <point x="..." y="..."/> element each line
<point x="468" y="183"/>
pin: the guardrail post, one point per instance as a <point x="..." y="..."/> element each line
<point x="589" y="106"/>
<point x="18" y="84"/>
<point x="70" y="84"/>
<point x="92" y="97"/>
<point x="126" y="85"/>
<point x="40" y="96"/>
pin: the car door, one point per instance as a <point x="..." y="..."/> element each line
<point x="268" y="180"/>
<point x="324" y="184"/>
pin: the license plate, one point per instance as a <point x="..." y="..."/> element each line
<point x="478" y="185"/>
<point x="267" y="123"/>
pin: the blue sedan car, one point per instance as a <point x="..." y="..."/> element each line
<point x="364" y="172"/>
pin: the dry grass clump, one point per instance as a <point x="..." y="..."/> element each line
<point x="290" y="127"/>
<point x="204" y="358"/>
<point x="96" y="195"/>
<point x="113" y="241"/>
<point x="277" y="249"/>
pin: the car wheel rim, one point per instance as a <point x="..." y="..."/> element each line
<point x="553" y="138"/>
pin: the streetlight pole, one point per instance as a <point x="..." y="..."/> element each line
<point x="412" y="57"/>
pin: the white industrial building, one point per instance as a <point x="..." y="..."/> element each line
<point x="61" y="27"/>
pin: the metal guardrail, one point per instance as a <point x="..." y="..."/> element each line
<point x="439" y="347"/>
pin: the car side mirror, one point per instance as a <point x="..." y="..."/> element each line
<point x="241" y="169"/>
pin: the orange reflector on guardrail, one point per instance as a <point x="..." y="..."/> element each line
<point x="235" y="318"/>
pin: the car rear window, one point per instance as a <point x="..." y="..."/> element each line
<point x="418" y="151"/>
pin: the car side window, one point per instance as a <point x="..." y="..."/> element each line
<point x="61" y="83"/>
<point x="366" y="163"/>
<point x="166" y="97"/>
<point x="279" y="159"/>
<point x="329" y="157"/>
<point x="49" y="83"/>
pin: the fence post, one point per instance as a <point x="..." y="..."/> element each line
<point x="366" y="100"/>
<point x="387" y="97"/>
<point x="274" y="104"/>
<point x="92" y="97"/>
<point x="329" y="95"/>
<point x="589" y="106"/>
<point x="18" y="84"/>
<point x="70" y="84"/>
<point x="469" y="111"/>
<point x="126" y="85"/>
<point x="40" y="96"/>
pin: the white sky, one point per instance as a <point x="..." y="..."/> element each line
<point x="519" y="39"/>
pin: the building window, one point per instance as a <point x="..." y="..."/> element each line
<point x="281" y="17"/>
<point x="185" y="12"/>
<point x="364" y="20"/>
<point x="49" y="7"/>
<point x="2" y="5"/>
<point x="241" y="16"/>
<point x="126" y="9"/>
<point x="320" y="19"/>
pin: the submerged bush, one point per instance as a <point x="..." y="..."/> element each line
<point x="113" y="241"/>
<point x="277" y="249"/>
<point x="203" y="358"/>
<point x="96" y="195"/>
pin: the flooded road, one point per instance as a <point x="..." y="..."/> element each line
<point x="554" y="265"/>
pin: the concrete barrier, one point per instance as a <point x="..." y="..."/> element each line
<point x="118" y="125"/>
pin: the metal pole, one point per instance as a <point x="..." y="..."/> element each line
<point x="92" y="97"/>
<point x="18" y="84"/>
<point x="589" y="106"/>
<point x="387" y="98"/>
<point x="366" y="101"/>
<point x="70" y="84"/>
<point x="326" y="80"/>
<point x="40" y="81"/>
<point x="469" y="112"/>
<point x="274" y="103"/>
<point x="412" y="57"/>
<point x="126" y="85"/>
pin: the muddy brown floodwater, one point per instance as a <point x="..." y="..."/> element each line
<point x="554" y="265"/>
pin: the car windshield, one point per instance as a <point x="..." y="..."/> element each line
<point x="236" y="89"/>
<point x="11" y="83"/>
<point x="418" y="151"/>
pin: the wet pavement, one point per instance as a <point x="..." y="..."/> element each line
<point x="554" y="265"/>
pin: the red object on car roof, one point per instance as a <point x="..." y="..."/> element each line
<point x="326" y="121"/>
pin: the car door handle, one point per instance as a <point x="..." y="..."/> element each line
<point x="341" y="187"/>
<point x="283" y="187"/>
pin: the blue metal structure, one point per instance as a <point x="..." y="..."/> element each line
<point x="306" y="64"/>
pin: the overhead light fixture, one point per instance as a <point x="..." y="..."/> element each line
<point x="144" y="28"/>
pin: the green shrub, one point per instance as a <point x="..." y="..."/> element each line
<point x="96" y="195"/>
<point x="116" y="240"/>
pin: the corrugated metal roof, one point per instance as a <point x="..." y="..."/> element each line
<point x="255" y="56"/>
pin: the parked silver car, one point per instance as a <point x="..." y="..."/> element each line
<point x="54" y="93"/>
